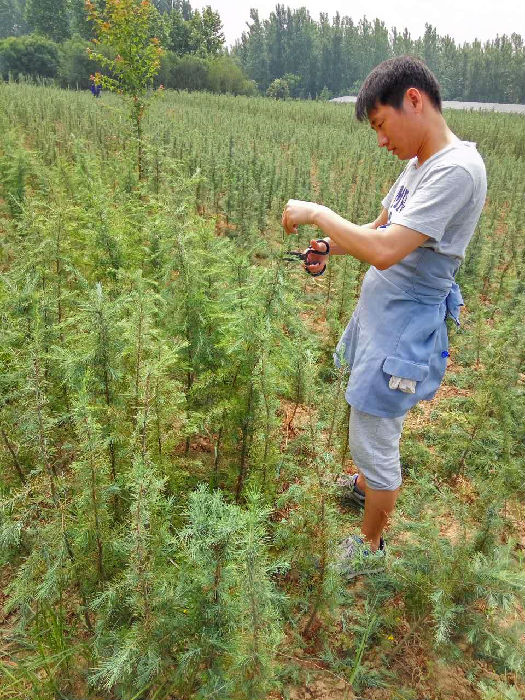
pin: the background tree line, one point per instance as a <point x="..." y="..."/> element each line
<point x="332" y="58"/>
<point x="182" y="29"/>
<point x="307" y="58"/>
<point x="49" y="38"/>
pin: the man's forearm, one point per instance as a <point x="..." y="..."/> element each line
<point x="362" y="242"/>
<point x="336" y="249"/>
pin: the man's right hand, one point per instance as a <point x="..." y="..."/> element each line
<point x="315" y="262"/>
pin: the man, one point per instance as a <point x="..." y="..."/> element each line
<point x="396" y="343"/>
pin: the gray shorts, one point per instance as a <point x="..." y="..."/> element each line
<point x="374" y="446"/>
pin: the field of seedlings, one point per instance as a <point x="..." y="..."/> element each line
<point x="172" y="425"/>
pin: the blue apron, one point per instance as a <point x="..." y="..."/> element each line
<point x="398" y="329"/>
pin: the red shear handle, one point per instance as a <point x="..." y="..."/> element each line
<point x="317" y="252"/>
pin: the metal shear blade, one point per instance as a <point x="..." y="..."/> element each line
<point x="295" y="255"/>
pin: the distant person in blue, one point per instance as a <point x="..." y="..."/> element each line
<point x="396" y="343"/>
<point x="96" y="89"/>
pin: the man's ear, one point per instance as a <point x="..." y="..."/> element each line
<point x="414" y="99"/>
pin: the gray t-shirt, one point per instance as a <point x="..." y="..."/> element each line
<point x="442" y="199"/>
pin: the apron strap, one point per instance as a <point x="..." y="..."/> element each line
<point x="454" y="302"/>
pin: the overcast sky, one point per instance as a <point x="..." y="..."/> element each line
<point x="464" y="20"/>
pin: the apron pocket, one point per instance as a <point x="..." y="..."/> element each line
<point x="397" y="367"/>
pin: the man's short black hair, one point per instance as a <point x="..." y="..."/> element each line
<point x="389" y="81"/>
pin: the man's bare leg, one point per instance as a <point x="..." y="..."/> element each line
<point x="378" y="507"/>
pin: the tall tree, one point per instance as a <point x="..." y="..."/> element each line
<point x="184" y="7"/>
<point x="256" y="60"/>
<point x="178" y="31"/>
<point x="48" y="17"/>
<point x="380" y="43"/>
<point x="325" y="66"/>
<point x="79" y="20"/>
<point x="163" y="6"/>
<point x="336" y="55"/>
<point x="430" y="49"/>
<point x="518" y="63"/>
<point x="301" y="49"/>
<point x="476" y="73"/>
<point x="402" y="42"/>
<point x="275" y="32"/>
<point x="206" y="37"/>
<point x="12" y="22"/>
<point x="350" y="67"/>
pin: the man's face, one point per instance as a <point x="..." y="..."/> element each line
<point x="396" y="129"/>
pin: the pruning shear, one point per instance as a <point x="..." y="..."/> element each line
<point x="296" y="255"/>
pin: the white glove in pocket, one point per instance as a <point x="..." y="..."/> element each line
<point x="407" y="386"/>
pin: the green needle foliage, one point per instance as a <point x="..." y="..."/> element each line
<point x="171" y="423"/>
<point x="231" y="602"/>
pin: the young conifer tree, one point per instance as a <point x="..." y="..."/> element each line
<point x="492" y="411"/>
<point x="137" y="612"/>
<point x="257" y="634"/>
<point x="307" y="530"/>
<point x="91" y="486"/>
<point x="15" y="168"/>
<point x="231" y="605"/>
<point x="92" y="367"/>
<point x="255" y="338"/>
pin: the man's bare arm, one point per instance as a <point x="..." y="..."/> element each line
<point x="336" y="249"/>
<point x="380" y="247"/>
